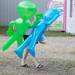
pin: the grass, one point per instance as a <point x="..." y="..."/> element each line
<point x="47" y="33"/>
<point x="3" y="30"/>
<point x="57" y="34"/>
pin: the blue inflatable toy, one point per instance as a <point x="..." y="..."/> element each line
<point x="48" y="18"/>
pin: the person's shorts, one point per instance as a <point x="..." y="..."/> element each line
<point x="25" y="37"/>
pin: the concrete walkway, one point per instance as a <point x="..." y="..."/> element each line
<point x="58" y="58"/>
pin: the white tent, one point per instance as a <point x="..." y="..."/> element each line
<point x="70" y="17"/>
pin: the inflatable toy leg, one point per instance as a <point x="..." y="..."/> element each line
<point x="8" y="43"/>
<point x="36" y="34"/>
<point x="20" y="49"/>
<point x="19" y="41"/>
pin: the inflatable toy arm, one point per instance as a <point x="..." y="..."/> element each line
<point x="38" y="16"/>
<point x="10" y="28"/>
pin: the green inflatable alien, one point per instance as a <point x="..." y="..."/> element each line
<point x="26" y="10"/>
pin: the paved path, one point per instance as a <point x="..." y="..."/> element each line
<point x="58" y="58"/>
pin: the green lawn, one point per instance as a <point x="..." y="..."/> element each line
<point x="3" y="30"/>
<point x="54" y="33"/>
<point x="47" y="33"/>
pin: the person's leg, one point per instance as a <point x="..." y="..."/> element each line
<point x="43" y="40"/>
<point x="23" y="60"/>
<point x="25" y="54"/>
<point x="35" y="59"/>
<point x="37" y="64"/>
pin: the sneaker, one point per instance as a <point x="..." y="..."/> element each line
<point x="25" y="66"/>
<point x="39" y="66"/>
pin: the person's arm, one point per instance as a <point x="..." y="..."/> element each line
<point x="37" y="17"/>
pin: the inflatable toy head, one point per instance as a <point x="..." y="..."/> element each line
<point x="26" y="9"/>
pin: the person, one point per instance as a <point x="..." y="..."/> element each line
<point x="25" y="24"/>
<point x="25" y="54"/>
<point x="47" y="19"/>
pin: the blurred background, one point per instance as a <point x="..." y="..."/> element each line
<point x="8" y="12"/>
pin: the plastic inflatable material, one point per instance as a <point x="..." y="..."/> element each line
<point x="48" y="18"/>
<point x="17" y="28"/>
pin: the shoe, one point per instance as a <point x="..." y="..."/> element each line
<point x="39" y="66"/>
<point x="25" y="66"/>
